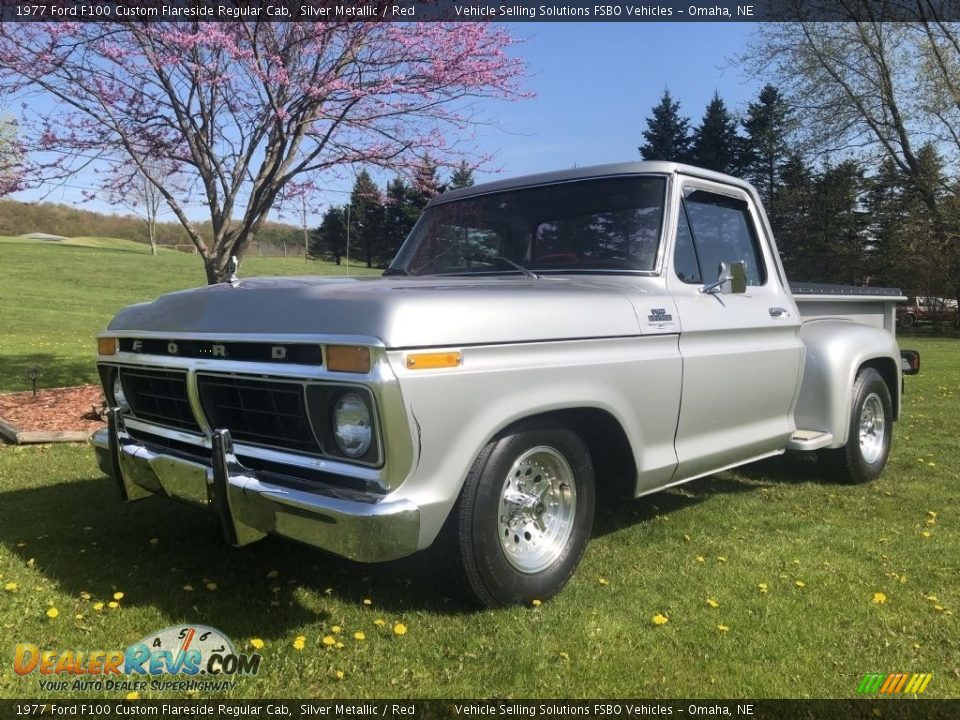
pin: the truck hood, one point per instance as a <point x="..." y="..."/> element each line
<point x="400" y="312"/>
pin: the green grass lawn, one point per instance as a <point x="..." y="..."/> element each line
<point x="794" y="565"/>
<point x="56" y="296"/>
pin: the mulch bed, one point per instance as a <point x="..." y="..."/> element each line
<point x="55" y="409"/>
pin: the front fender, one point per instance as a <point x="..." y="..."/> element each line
<point x="455" y="412"/>
<point x="836" y="351"/>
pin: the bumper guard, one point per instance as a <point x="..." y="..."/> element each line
<point x="248" y="507"/>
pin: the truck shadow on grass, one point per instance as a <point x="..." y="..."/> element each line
<point x="616" y="511"/>
<point x="55" y="371"/>
<point x="82" y="539"/>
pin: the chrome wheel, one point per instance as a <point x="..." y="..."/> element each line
<point x="538" y="503"/>
<point x="872" y="426"/>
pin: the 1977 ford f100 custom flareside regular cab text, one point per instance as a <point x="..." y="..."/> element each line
<point x="533" y="339"/>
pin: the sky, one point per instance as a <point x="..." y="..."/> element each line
<point x="593" y="83"/>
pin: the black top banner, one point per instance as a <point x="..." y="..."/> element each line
<point x="887" y="709"/>
<point x="502" y="11"/>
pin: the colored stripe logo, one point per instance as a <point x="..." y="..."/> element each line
<point x="894" y="683"/>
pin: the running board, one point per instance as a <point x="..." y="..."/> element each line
<point x="809" y="440"/>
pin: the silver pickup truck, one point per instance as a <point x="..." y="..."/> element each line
<point x="533" y="340"/>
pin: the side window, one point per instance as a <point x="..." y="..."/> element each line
<point x="721" y="231"/>
<point x="685" y="256"/>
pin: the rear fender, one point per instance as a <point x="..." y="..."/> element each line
<point x="836" y="352"/>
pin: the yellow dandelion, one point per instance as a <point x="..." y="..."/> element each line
<point x="700" y="558"/>
<point x="84" y="595"/>
<point x="118" y="596"/>
<point x="211" y="586"/>
<point x="723" y="628"/>
<point x="931" y="521"/>
<point x="132" y="696"/>
<point x="98" y="606"/>
<point x="925" y="533"/>
<point x="367" y="601"/>
<point x="939" y="608"/>
<point x="336" y="629"/>
<point x="113" y="604"/>
<point x="340" y="646"/>
<point x="273" y="573"/>
<point x="800" y="584"/>
<point x="930" y="464"/>
<point x="10" y="587"/>
<point x="712" y="603"/>
<point x="78" y="616"/>
<point x="721" y="559"/>
<point x="931" y="513"/>
<point x="52" y="613"/>
<point x="536" y="603"/>
<point x="359" y="635"/>
<point x="931" y="598"/>
<point x="565" y="656"/>
<point x="339" y="675"/>
<point x="879" y="598"/>
<point x="659" y="619"/>
<point x="328" y="640"/>
<point x="299" y="642"/>
<point x="762" y="587"/>
<point x="188" y="588"/>
<point x="256" y="643"/>
<point x="399" y="629"/>
<point x="380" y="622"/>
<point x="603" y="581"/>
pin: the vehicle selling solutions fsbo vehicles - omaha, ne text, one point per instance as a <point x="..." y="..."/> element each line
<point x="533" y="339"/>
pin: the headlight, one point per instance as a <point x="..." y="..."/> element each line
<point x="352" y="428"/>
<point x="118" y="397"/>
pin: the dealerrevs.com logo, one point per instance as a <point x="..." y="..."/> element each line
<point x="203" y="656"/>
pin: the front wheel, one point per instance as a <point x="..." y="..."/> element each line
<point x="868" y="440"/>
<point x="524" y="516"/>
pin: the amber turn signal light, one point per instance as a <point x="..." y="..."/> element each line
<point x="348" y="358"/>
<point x="107" y="346"/>
<point x="424" y="361"/>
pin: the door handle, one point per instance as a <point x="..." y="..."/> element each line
<point x="779" y="312"/>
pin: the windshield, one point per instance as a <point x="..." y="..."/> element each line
<point x="609" y="224"/>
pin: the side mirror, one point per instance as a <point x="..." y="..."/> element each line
<point x="732" y="279"/>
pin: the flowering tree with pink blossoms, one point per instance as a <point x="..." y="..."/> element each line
<point x="243" y="112"/>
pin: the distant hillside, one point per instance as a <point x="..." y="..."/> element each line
<point x="19" y="218"/>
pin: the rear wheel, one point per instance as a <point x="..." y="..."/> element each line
<point x="868" y="441"/>
<point x="524" y="516"/>
<point x="908" y="321"/>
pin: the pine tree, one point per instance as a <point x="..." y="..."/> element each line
<point x="668" y="134"/>
<point x="716" y="145"/>
<point x="426" y="184"/>
<point x="765" y="148"/>
<point x="462" y="177"/>
<point x="400" y="214"/>
<point x="366" y="218"/>
<point x="329" y="241"/>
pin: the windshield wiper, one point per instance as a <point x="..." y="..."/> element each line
<point x="517" y="266"/>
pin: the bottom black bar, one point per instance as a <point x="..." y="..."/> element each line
<point x="892" y="708"/>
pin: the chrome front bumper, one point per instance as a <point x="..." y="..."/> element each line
<point x="248" y="507"/>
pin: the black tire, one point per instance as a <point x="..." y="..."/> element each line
<point x="908" y="321"/>
<point x="480" y="559"/>
<point x="863" y="459"/>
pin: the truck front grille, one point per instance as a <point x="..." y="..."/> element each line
<point x="159" y="396"/>
<point x="267" y="413"/>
